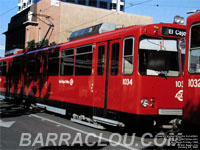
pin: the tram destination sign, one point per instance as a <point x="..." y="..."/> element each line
<point x="173" y="31"/>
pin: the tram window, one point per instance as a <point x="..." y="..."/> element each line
<point x="67" y="62"/>
<point x="30" y="65"/>
<point x="127" y="66"/>
<point x="83" y="63"/>
<point x="101" y="60"/>
<point x="115" y="59"/>
<point x="195" y="36"/>
<point x="183" y="60"/>
<point x="3" y="68"/>
<point x="53" y="63"/>
<point x="16" y="68"/>
<point x="157" y="59"/>
<point x="44" y="67"/>
<point x="194" y="53"/>
<point x="194" y="64"/>
<point x="38" y="65"/>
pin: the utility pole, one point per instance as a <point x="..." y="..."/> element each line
<point x="50" y="24"/>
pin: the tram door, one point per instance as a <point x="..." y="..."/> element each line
<point x="106" y="78"/>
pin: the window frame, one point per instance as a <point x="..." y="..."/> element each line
<point x="61" y="56"/>
<point x="98" y="60"/>
<point x="15" y="70"/>
<point x="28" y="72"/>
<point x="83" y="53"/>
<point x="133" y="51"/>
<point x="49" y="59"/>
<point x="189" y="48"/>
<point x="117" y="42"/>
<point x="3" y="65"/>
<point x="1" y="68"/>
<point x="178" y="61"/>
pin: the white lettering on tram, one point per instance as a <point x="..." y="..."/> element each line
<point x="70" y="82"/>
<point x="127" y="82"/>
<point x="180" y="33"/>
<point x="194" y="83"/>
<point x="179" y="84"/>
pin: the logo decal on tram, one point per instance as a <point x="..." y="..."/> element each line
<point x="179" y="95"/>
<point x="70" y="82"/>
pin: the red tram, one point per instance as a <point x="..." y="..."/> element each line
<point x="122" y="77"/>
<point x="192" y="72"/>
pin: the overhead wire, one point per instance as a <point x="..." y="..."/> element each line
<point x="8" y="11"/>
<point x="160" y="5"/>
<point x="70" y="29"/>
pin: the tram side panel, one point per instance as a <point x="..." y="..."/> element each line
<point x="3" y="72"/>
<point x="192" y="72"/>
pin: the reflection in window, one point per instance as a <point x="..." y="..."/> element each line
<point x="195" y="36"/>
<point x="194" y="66"/>
<point x="16" y="67"/>
<point x="30" y="68"/>
<point x="3" y="66"/>
<point x="38" y="64"/>
<point x="183" y="60"/>
<point x="83" y="63"/>
<point x="44" y="62"/>
<point x="101" y="60"/>
<point x="158" y="57"/>
<point x="67" y="62"/>
<point x="115" y="59"/>
<point x="194" y="59"/>
<point x="53" y="63"/>
<point x="128" y="56"/>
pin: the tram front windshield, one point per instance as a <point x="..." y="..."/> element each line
<point x="158" y="57"/>
<point x="194" y="53"/>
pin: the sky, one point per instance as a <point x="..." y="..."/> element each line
<point x="160" y="10"/>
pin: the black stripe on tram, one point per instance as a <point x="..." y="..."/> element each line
<point x="106" y="80"/>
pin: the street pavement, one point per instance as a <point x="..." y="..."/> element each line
<point x="36" y="129"/>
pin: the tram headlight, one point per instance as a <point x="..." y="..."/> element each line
<point x="179" y="20"/>
<point x="144" y="102"/>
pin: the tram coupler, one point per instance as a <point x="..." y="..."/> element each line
<point x="176" y="123"/>
<point x="173" y="124"/>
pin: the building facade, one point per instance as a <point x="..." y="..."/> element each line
<point x="34" y="22"/>
<point x="24" y="4"/>
<point x="105" y="4"/>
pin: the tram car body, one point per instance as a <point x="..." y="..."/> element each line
<point x="192" y="72"/>
<point x="126" y="76"/>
